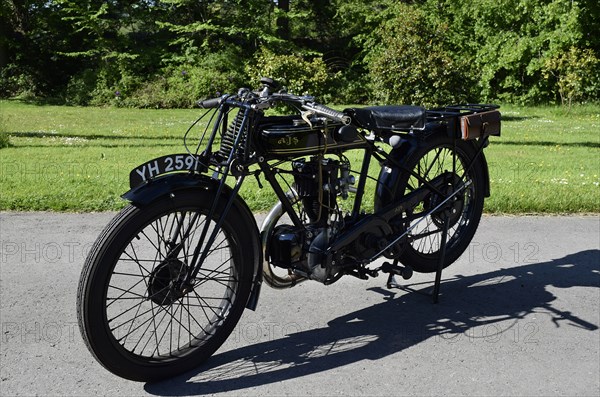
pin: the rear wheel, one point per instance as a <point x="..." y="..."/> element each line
<point x="139" y="313"/>
<point x="443" y="160"/>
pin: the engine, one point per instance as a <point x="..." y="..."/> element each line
<point x="317" y="183"/>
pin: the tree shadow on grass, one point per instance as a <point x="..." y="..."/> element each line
<point x="399" y="322"/>
<point x="95" y="139"/>
<point x="517" y="118"/>
<point x="49" y="101"/>
<point x="45" y="134"/>
<point x="548" y="143"/>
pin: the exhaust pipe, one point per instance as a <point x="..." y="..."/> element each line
<point x="274" y="280"/>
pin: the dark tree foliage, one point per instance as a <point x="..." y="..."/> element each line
<point x="32" y="33"/>
<point x="168" y="53"/>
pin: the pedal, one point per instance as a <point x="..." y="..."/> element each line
<point x="406" y="272"/>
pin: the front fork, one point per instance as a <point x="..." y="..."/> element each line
<point x="178" y="234"/>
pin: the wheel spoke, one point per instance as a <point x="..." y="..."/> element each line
<point x="151" y="314"/>
<point x="439" y="161"/>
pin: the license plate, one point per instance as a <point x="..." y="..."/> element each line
<point x="163" y="165"/>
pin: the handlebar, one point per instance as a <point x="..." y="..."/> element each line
<point x="210" y="103"/>
<point x="267" y="99"/>
<point x="328" y="112"/>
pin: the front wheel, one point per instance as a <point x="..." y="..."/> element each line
<point x="139" y="314"/>
<point x="441" y="159"/>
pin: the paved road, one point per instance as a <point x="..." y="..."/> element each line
<point x="519" y="315"/>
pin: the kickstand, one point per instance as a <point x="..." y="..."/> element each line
<point x="394" y="269"/>
<point x="438" y="273"/>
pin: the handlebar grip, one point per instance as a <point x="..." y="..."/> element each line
<point x="331" y="113"/>
<point x="210" y="103"/>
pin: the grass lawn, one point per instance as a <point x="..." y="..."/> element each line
<point x="78" y="159"/>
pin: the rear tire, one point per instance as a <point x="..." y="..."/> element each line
<point x="136" y="314"/>
<point x="430" y="160"/>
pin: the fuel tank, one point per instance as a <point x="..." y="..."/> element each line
<point x="285" y="136"/>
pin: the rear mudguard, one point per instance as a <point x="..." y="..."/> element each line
<point x="173" y="184"/>
<point x="401" y="153"/>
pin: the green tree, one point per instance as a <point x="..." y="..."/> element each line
<point x="577" y="74"/>
<point x="409" y="61"/>
<point x="199" y="27"/>
<point x="299" y="73"/>
<point x="31" y="33"/>
<point x="428" y="51"/>
<point x="118" y="44"/>
<point x="508" y="43"/>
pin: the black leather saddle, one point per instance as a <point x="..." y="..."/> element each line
<point x="391" y="117"/>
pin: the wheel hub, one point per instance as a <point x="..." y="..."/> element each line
<point x="453" y="209"/>
<point x="167" y="282"/>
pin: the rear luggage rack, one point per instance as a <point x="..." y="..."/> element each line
<point x="468" y="121"/>
<point x="452" y="111"/>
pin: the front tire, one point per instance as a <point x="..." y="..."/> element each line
<point x="138" y="315"/>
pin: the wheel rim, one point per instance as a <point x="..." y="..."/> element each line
<point x="151" y="312"/>
<point x="426" y="236"/>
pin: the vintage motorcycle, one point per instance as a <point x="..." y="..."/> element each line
<point x="169" y="277"/>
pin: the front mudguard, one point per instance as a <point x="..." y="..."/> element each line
<point x="404" y="148"/>
<point x="173" y="184"/>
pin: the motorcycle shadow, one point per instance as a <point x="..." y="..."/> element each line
<point x="399" y="322"/>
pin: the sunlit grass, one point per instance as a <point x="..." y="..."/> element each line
<point x="78" y="159"/>
<point x="547" y="160"/>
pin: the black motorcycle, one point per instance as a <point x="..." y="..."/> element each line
<point x="169" y="277"/>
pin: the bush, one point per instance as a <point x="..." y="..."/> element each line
<point x="183" y="85"/>
<point x="80" y="88"/>
<point x="577" y="74"/>
<point x="18" y="82"/>
<point x="351" y="86"/>
<point x="410" y="63"/>
<point x="114" y="79"/>
<point x="116" y="82"/>
<point x="516" y="47"/>
<point x="300" y="74"/>
<point x="4" y="139"/>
